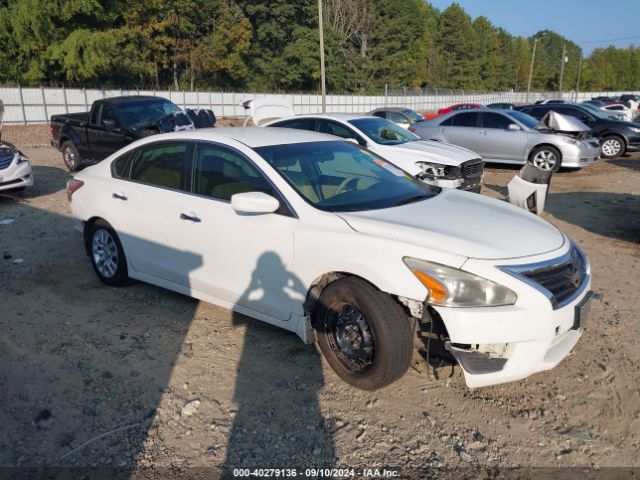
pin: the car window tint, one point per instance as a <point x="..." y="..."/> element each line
<point x="299" y="123"/>
<point x="220" y="173"/>
<point x="466" y="119"/>
<point x="334" y="128"/>
<point x="120" y="166"/>
<point x="495" y="120"/>
<point x="95" y="115"/>
<point x="448" y="122"/>
<point x="161" y="165"/>
<point x="397" y="117"/>
<point x="380" y="114"/>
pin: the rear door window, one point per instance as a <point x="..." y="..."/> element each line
<point x="466" y="119"/>
<point x="299" y="123"/>
<point x="162" y="165"/>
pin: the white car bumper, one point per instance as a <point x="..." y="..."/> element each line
<point x="501" y="344"/>
<point x="16" y="175"/>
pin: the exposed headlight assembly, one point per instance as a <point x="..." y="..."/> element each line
<point x="451" y="287"/>
<point x="435" y="170"/>
<point x="569" y="140"/>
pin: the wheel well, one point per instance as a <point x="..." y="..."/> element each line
<point x="320" y="283"/>
<point x="615" y="134"/>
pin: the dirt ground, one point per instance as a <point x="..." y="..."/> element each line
<point x="140" y="377"/>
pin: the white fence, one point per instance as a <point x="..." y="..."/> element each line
<point x="36" y="105"/>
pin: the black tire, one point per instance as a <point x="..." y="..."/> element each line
<point x="544" y="155"/>
<point x="106" y="254"/>
<point x="70" y="156"/>
<point x="614" y="146"/>
<point x="385" y="336"/>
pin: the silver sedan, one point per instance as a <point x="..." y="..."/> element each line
<point x="508" y="136"/>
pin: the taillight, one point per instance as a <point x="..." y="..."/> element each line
<point x="52" y="129"/>
<point x="72" y="186"/>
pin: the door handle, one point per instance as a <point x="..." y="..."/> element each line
<point x="119" y="196"/>
<point x="191" y="218"/>
<point x="441" y="130"/>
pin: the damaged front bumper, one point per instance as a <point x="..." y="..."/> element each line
<point x="510" y="349"/>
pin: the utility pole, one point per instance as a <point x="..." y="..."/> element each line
<point x="322" y="74"/>
<point x="533" y="57"/>
<point x="579" y="72"/>
<point x="563" y="60"/>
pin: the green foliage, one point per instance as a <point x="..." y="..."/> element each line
<point x="273" y="45"/>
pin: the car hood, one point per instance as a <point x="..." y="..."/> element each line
<point x="437" y="152"/>
<point x="462" y="223"/>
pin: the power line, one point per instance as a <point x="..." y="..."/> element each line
<point x="610" y="40"/>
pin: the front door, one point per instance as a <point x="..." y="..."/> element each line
<point x="462" y="129"/>
<point x="497" y="142"/>
<point x="246" y="259"/>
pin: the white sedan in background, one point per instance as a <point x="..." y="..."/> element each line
<point x="323" y="237"/>
<point x="15" y="168"/>
<point x="435" y="163"/>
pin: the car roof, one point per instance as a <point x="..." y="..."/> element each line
<point x="126" y="98"/>
<point x="391" y="109"/>
<point x="345" y="117"/>
<point x="253" y="136"/>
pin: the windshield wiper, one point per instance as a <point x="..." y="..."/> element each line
<point x="412" y="199"/>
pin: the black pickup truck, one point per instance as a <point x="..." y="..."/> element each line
<point x="112" y="123"/>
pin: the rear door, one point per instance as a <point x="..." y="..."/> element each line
<point x="497" y="142"/>
<point x="462" y="129"/>
<point x="147" y="209"/>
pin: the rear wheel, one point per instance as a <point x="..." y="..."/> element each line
<point x="71" y="156"/>
<point x="363" y="333"/>
<point x="546" y="158"/>
<point x="612" y="146"/>
<point x="107" y="255"/>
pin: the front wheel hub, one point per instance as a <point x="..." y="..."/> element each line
<point x="351" y="338"/>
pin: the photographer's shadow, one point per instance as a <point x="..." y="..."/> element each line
<point x="278" y="423"/>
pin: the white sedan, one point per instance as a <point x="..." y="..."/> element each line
<point x="15" y="168"/>
<point x="435" y="163"/>
<point x="325" y="238"/>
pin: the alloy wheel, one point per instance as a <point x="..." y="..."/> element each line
<point x="545" y="159"/>
<point x="611" y="147"/>
<point x="104" y="252"/>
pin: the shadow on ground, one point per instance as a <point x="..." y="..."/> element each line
<point x="83" y="366"/>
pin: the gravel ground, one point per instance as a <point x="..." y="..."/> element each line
<point x="140" y="377"/>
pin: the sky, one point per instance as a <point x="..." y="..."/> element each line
<point x="585" y="22"/>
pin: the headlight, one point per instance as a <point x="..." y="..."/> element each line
<point x="435" y="170"/>
<point x="634" y="129"/>
<point x="571" y="141"/>
<point x="450" y="287"/>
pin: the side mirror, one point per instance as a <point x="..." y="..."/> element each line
<point x="110" y="125"/>
<point x="352" y="140"/>
<point x="514" y="127"/>
<point x="254" y="203"/>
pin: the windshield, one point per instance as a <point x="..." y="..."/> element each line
<point x="413" y="115"/>
<point x="528" y="120"/>
<point x="145" y="111"/>
<point x="596" y="111"/>
<point x="342" y="177"/>
<point x="383" y="131"/>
